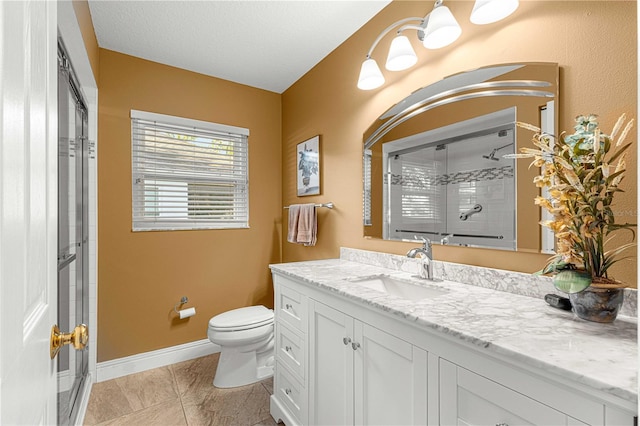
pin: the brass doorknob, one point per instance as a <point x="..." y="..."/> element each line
<point x="78" y="337"/>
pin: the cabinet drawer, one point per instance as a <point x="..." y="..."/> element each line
<point x="291" y="393"/>
<point x="290" y="350"/>
<point x="291" y="307"/>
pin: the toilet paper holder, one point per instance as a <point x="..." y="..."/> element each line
<point x="184" y="313"/>
<point x="182" y="301"/>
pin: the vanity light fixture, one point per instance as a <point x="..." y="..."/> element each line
<point x="436" y="30"/>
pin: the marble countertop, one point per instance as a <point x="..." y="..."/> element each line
<point x="602" y="356"/>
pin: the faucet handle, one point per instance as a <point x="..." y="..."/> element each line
<point x="445" y="240"/>
<point x="426" y="242"/>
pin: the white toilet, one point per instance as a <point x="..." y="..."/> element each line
<point x="246" y="338"/>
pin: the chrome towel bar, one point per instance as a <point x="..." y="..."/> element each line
<point x="328" y="205"/>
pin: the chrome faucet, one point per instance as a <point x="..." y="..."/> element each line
<point x="426" y="269"/>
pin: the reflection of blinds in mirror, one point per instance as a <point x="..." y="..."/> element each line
<point x="420" y="190"/>
<point x="366" y="201"/>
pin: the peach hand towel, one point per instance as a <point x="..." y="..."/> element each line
<point x="303" y="224"/>
<point x="307" y="225"/>
<point x="294" y="214"/>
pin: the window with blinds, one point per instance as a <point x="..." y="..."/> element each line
<point x="188" y="174"/>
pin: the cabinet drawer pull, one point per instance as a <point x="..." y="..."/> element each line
<point x="287" y="348"/>
<point x="346" y="340"/>
<point x="287" y="391"/>
<point x="288" y="306"/>
<point x="355" y="345"/>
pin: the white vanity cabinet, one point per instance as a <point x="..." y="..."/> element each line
<point x="362" y="375"/>
<point x="344" y="361"/>
<point x="354" y="373"/>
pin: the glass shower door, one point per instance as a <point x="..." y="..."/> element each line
<point x="73" y="294"/>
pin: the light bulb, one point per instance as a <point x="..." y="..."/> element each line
<point x="401" y="54"/>
<point x="370" y="75"/>
<point x="442" y="28"/>
<point x="490" y="11"/>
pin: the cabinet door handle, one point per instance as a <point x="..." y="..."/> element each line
<point x="287" y="391"/>
<point x="288" y="306"/>
<point x="287" y="348"/>
<point x="346" y="340"/>
<point x="355" y="346"/>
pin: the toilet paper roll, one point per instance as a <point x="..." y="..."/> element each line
<point x="186" y="313"/>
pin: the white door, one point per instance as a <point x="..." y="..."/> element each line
<point x="28" y="210"/>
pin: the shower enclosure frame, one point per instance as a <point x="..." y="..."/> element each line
<point x="73" y="235"/>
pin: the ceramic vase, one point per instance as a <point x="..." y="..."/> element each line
<point x="597" y="304"/>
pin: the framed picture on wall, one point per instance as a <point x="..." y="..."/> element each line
<point x="309" y="167"/>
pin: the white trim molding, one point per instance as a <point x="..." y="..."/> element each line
<point x="84" y="399"/>
<point x="149" y="360"/>
<point x="188" y="122"/>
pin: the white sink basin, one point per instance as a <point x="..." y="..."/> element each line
<point x="399" y="288"/>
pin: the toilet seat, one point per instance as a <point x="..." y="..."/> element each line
<point x="241" y="319"/>
<point x="249" y="338"/>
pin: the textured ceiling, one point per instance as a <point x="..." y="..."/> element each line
<point x="264" y="44"/>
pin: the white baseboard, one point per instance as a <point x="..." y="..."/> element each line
<point x="148" y="360"/>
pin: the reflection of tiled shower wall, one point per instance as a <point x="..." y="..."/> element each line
<point x="454" y="178"/>
<point x="494" y="190"/>
<point x="461" y="177"/>
<point x="489" y="187"/>
<point x="489" y="183"/>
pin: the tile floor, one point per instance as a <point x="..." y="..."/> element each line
<point x="179" y="394"/>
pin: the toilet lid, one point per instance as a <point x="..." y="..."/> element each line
<point x="242" y="318"/>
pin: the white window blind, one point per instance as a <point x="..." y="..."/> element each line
<point x="420" y="191"/>
<point x="188" y="174"/>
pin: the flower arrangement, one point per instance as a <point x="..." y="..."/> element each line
<point x="582" y="172"/>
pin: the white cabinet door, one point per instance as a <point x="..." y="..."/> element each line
<point x="390" y="379"/>
<point x="467" y="398"/>
<point x="362" y="375"/>
<point x="330" y="366"/>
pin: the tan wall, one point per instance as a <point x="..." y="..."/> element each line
<point x="143" y="275"/>
<point x="594" y="42"/>
<point x="83" y="15"/>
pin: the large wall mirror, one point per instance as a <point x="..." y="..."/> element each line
<point x="434" y="166"/>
